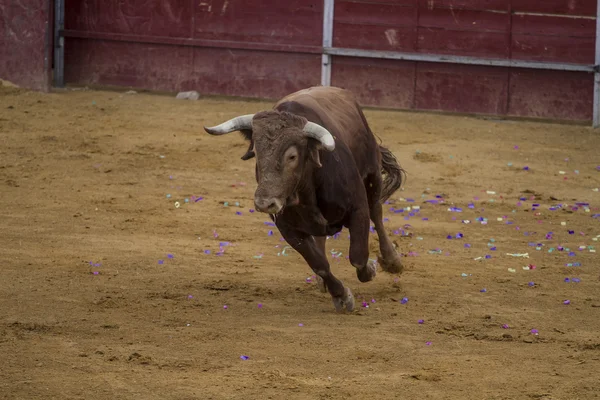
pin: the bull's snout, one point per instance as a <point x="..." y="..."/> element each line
<point x="267" y="205"/>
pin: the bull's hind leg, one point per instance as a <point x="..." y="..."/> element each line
<point x="312" y="252"/>
<point x="389" y="260"/>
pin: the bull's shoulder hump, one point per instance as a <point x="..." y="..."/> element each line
<point x="316" y="93"/>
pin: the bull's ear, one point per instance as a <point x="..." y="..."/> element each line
<point x="313" y="152"/>
<point x="247" y="133"/>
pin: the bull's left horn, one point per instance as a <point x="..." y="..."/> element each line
<point x="234" y="124"/>
<point x="316" y="131"/>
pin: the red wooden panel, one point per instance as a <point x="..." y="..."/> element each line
<point x="292" y="21"/>
<point x="554" y="26"/>
<point x="466" y="4"/>
<point x="143" y="17"/>
<point x="551" y="94"/>
<point x="376" y="82"/>
<point x="411" y="3"/>
<point x="174" y="68"/>
<point x="374" y="26"/>
<point x="155" y="67"/>
<point x="374" y="14"/>
<point x="464" y="20"/>
<point x="465" y="43"/>
<point x="551" y="38"/>
<point x="553" y="49"/>
<point x="571" y="7"/>
<point x="372" y="37"/>
<point x="261" y="74"/>
<point x="464" y="32"/>
<point x="461" y="88"/>
<point x="25" y="48"/>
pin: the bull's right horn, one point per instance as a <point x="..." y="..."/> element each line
<point x="234" y="124"/>
<point x="316" y="131"/>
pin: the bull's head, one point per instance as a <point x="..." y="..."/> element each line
<point x="285" y="146"/>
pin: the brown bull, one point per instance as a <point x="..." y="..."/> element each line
<point x="319" y="168"/>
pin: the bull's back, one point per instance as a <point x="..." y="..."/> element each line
<point x="338" y="111"/>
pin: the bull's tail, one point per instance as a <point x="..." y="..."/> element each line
<point x="392" y="173"/>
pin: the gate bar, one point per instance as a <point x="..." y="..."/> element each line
<point x="59" y="43"/>
<point x="328" y="6"/>
<point x="596" y="120"/>
<point x="393" y="55"/>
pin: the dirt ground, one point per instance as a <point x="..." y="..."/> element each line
<point x="107" y="290"/>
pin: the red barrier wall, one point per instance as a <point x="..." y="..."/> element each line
<point x="25" y="43"/>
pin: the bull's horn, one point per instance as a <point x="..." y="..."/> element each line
<point x="316" y="131"/>
<point x="234" y="124"/>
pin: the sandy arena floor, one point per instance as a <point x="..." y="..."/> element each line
<point x="106" y="290"/>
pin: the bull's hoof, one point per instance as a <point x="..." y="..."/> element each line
<point x="367" y="273"/>
<point x="321" y="284"/>
<point x="393" y="267"/>
<point x="344" y="303"/>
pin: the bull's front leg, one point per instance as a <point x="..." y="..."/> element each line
<point x="315" y="256"/>
<point x="359" y="245"/>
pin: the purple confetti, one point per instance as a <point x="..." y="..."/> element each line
<point x="531" y="284"/>
<point x="534" y="332"/>
<point x="244" y="358"/>
<point x="96" y="273"/>
<point x="404" y="300"/>
<point x="225" y="307"/>
<point x="421" y="321"/>
<point x="161" y="262"/>
<point x="270" y="233"/>
<point x="190" y="296"/>
<point x="300" y="324"/>
<point x="576" y="280"/>
<point x="198" y="199"/>
<point x="505" y="326"/>
<point x="259" y="305"/>
<point x="269" y="223"/>
<point x="567" y="302"/>
<point x="567" y="280"/>
<point x="206" y="251"/>
<point x="484" y="290"/>
<point x="467" y="246"/>
<point x="251" y="211"/>
<point x="365" y="304"/>
<point x="526" y="168"/>
<point x="238" y="213"/>
<point x="170" y="256"/>
<point x="488" y="256"/>
<point x="427" y="343"/>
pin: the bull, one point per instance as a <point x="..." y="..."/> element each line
<point x="319" y="168"/>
